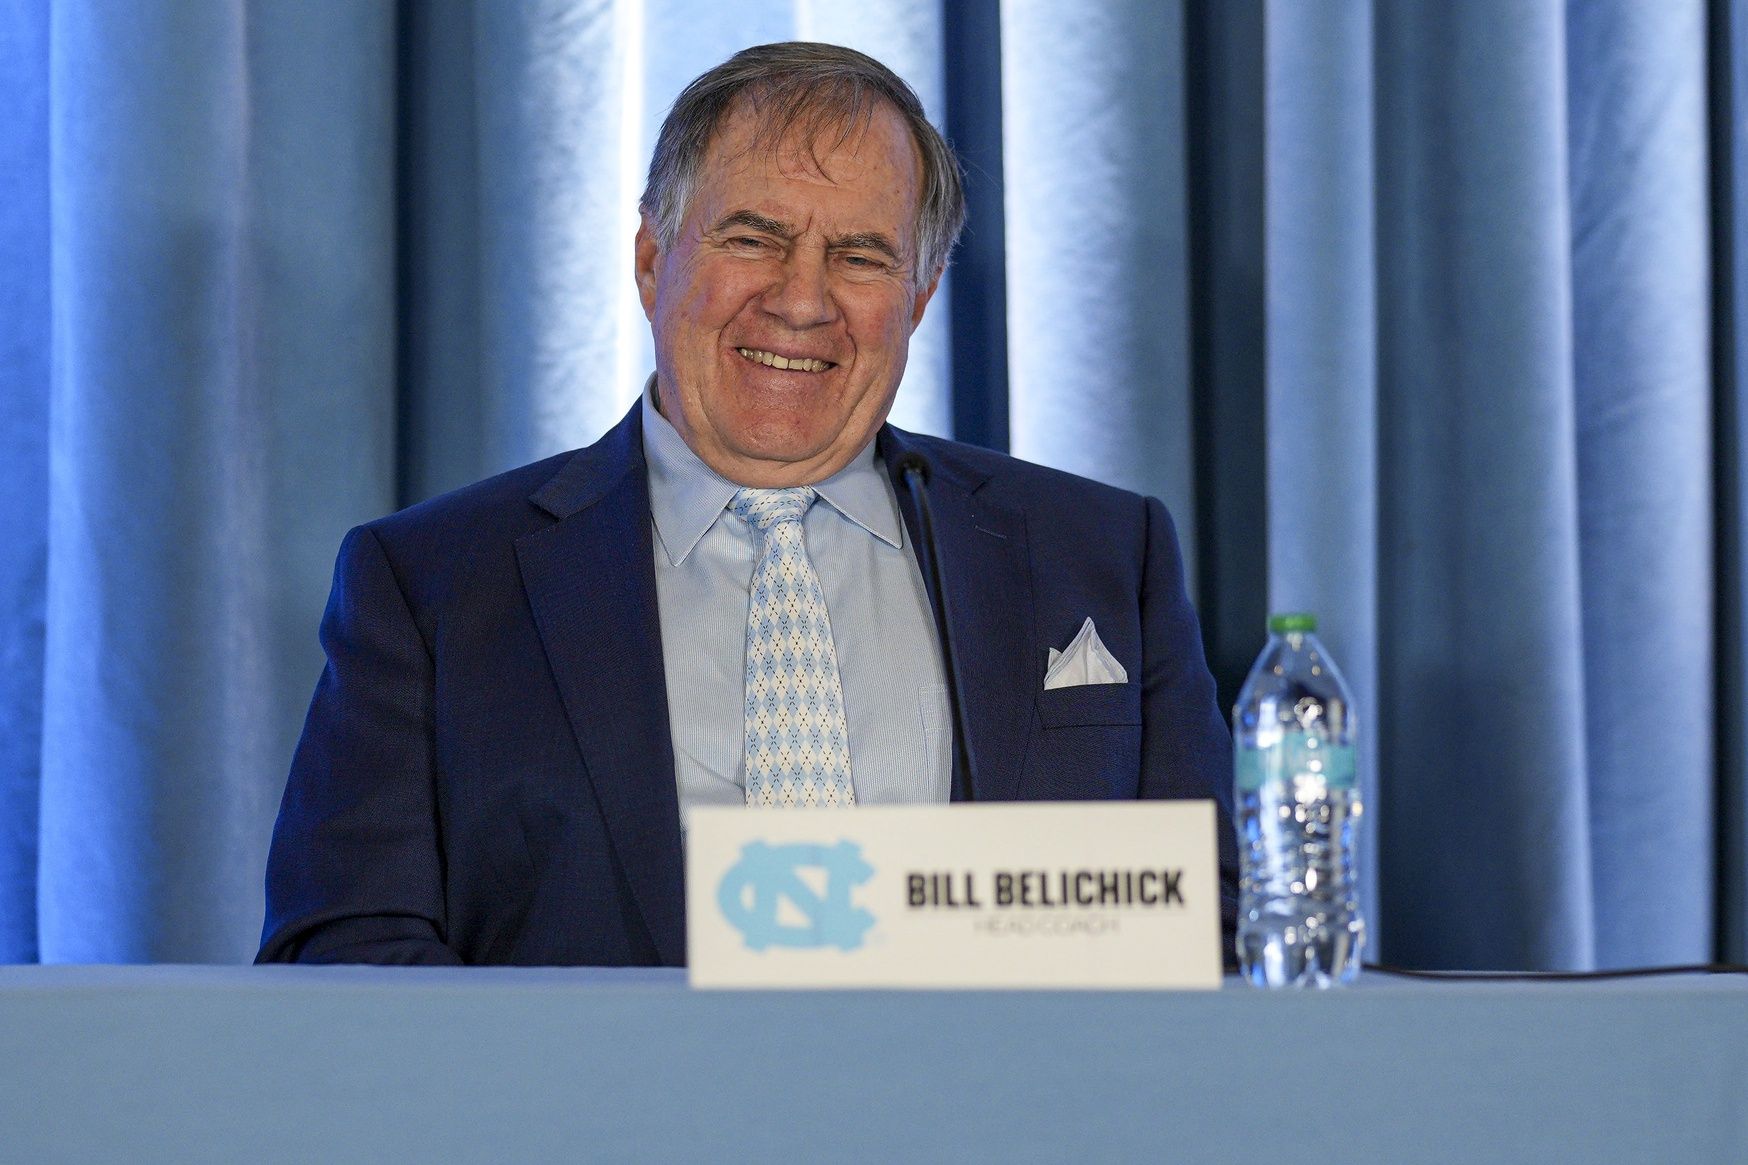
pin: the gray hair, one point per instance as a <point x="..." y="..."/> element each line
<point x="817" y="89"/>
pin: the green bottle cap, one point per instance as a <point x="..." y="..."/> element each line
<point x="1292" y="621"/>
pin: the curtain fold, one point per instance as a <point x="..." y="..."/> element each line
<point x="443" y="436"/>
<point x="554" y="228"/>
<point x="1321" y="363"/>
<point x="1729" y="139"/>
<point x="1484" y="755"/>
<point x="222" y="292"/>
<point x="24" y="412"/>
<point x="1641" y="277"/>
<point x="1097" y="283"/>
<point x="1545" y="552"/>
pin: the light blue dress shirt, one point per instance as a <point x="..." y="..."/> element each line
<point x="889" y="662"/>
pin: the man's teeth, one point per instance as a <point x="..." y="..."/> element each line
<point x="772" y="360"/>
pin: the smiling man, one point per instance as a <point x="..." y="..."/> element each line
<point x="532" y="680"/>
<point x="784" y="300"/>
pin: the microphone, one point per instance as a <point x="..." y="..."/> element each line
<point x="915" y="469"/>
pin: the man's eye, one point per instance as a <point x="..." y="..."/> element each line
<point x="864" y="262"/>
<point x="747" y="243"/>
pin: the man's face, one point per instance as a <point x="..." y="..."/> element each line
<point x="782" y="262"/>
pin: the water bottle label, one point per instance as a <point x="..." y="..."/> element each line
<point x="1300" y="755"/>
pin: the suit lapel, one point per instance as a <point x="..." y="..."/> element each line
<point x="985" y="566"/>
<point x="590" y="581"/>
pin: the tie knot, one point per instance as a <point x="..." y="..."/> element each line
<point x="763" y="508"/>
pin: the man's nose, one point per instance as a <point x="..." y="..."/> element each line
<point x="801" y="297"/>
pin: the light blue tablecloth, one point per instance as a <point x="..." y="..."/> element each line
<point x="366" y="1064"/>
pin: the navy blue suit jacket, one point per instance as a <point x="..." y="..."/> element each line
<point x="486" y="774"/>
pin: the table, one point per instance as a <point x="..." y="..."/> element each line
<point x="522" y="1064"/>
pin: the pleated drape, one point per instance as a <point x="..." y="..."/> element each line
<point x="1321" y="365"/>
<point x="1097" y="247"/>
<point x="1641" y="277"/>
<point x="24" y="435"/>
<point x="1729" y="190"/>
<point x="1545" y="542"/>
<point x="221" y="407"/>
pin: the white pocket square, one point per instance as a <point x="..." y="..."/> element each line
<point x="1087" y="661"/>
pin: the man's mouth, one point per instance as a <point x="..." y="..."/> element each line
<point x="788" y="363"/>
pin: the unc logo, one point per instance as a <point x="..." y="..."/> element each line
<point x="768" y="875"/>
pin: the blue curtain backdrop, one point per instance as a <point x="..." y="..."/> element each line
<point x="1423" y="317"/>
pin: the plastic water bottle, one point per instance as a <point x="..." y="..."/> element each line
<point x="1299" y="922"/>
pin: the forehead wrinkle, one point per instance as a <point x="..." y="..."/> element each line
<point x="753" y="220"/>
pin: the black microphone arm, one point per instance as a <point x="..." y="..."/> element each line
<point x="915" y="468"/>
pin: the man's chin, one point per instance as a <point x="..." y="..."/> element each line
<point x="775" y="463"/>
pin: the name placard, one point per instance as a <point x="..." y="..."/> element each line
<point x="1083" y="895"/>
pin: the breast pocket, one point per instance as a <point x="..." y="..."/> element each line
<point x="1090" y="746"/>
<point x="1090" y="704"/>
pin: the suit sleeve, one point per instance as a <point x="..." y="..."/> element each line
<point x="355" y="872"/>
<point x="1186" y="750"/>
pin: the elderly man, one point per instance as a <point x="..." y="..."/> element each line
<point x="531" y="680"/>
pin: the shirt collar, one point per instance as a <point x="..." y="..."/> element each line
<point x="686" y="496"/>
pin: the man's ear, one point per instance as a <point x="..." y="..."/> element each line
<point x="922" y="300"/>
<point x="646" y="253"/>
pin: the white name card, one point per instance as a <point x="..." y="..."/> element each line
<point x="1084" y="895"/>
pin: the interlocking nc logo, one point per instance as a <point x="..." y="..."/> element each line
<point x="756" y="888"/>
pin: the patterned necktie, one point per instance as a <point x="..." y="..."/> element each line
<point x="798" y="749"/>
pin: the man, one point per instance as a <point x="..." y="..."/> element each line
<point x="531" y="680"/>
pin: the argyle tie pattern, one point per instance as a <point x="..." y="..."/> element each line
<point x="797" y="745"/>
